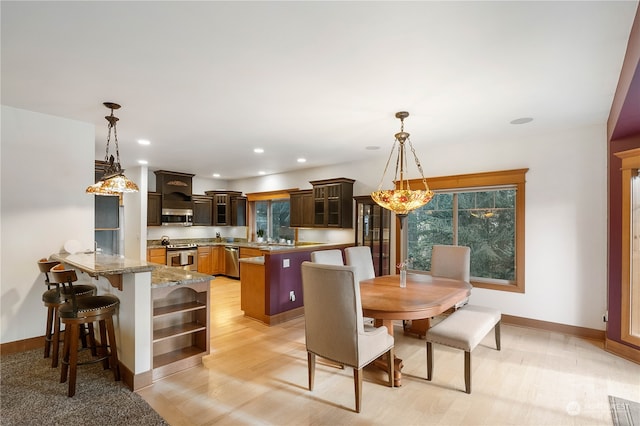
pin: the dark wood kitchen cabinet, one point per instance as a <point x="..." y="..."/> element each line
<point x="238" y="211"/>
<point x="222" y="206"/>
<point x="154" y="209"/>
<point x="175" y="188"/>
<point x="333" y="203"/>
<point x="169" y="182"/>
<point x="202" y="210"/>
<point x="301" y="208"/>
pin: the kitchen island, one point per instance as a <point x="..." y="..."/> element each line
<point x="271" y="281"/>
<point x="163" y="318"/>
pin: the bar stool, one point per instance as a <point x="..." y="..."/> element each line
<point x="85" y="310"/>
<point x="55" y="296"/>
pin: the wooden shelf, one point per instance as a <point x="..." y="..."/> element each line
<point x="175" y="356"/>
<point x="177" y="330"/>
<point x="179" y="307"/>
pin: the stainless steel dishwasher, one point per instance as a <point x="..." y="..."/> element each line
<point x="231" y="263"/>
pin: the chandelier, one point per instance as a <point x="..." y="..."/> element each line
<point x="402" y="199"/>
<point x="113" y="182"/>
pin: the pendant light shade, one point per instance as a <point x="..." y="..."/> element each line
<point x="113" y="182"/>
<point x="402" y="199"/>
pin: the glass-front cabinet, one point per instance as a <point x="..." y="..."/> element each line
<point x="372" y="229"/>
<point x="332" y="203"/>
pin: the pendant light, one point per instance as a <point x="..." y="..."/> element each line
<point x="113" y="182"/>
<point x="402" y="199"/>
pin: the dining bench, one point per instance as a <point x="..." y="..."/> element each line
<point x="463" y="329"/>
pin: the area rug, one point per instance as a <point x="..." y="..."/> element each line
<point x="624" y="412"/>
<point x="31" y="394"/>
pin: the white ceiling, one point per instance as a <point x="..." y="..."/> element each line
<point x="207" y="82"/>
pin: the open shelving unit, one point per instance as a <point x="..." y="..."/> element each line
<point x="180" y="327"/>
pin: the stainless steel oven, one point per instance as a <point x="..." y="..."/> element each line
<point x="183" y="256"/>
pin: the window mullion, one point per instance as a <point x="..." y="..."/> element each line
<point x="455" y="219"/>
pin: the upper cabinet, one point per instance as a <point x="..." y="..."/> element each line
<point x="202" y="210"/>
<point x="223" y="208"/>
<point x="332" y="204"/>
<point x="301" y="208"/>
<point x="154" y="209"/>
<point x="176" y="189"/>
<point x="238" y="211"/>
<point x="168" y="182"/>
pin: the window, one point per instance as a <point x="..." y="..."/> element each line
<point x="483" y="211"/>
<point x="273" y="217"/>
<point x="270" y="211"/>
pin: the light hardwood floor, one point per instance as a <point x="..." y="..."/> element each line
<point x="258" y="375"/>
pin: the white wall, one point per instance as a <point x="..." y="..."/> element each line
<point x="135" y="215"/>
<point x="566" y="216"/>
<point x="46" y="165"/>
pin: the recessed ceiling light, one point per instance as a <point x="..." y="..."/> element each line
<point x="216" y="175"/>
<point x="262" y="172"/>
<point x="522" y="120"/>
<point x="372" y="147"/>
<point x="144" y="142"/>
<point x="258" y="150"/>
<point x="302" y="160"/>
<point x="143" y="162"/>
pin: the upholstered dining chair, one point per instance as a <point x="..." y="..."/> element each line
<point x="451" y="262"/>
<point x="360" y="257"/>
<point x="448" y="262"/>
<point x="334" y="327"/>
<point x="327" y="257"/>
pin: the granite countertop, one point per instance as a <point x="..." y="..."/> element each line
<point x="262" y="246"/>
<point x="166" y="276"/>
<point x="104" y="264"/>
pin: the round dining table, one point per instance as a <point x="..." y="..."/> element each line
<point x="423" y="297"/>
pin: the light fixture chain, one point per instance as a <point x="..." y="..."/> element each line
<point x="413" y="151"/>
<point x="106" y="154"/>
<point x="399" y="164"/>
<point x="393" y="148"/>
<point x="115" y="136"/>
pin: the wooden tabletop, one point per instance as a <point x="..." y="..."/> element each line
<point x="423" y="297"/>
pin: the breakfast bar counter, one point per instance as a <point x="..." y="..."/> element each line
<point x="108" y="266"/>
<point x="162" y="322"/>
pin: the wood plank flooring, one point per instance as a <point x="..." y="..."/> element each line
<point x="257" y="374"/>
